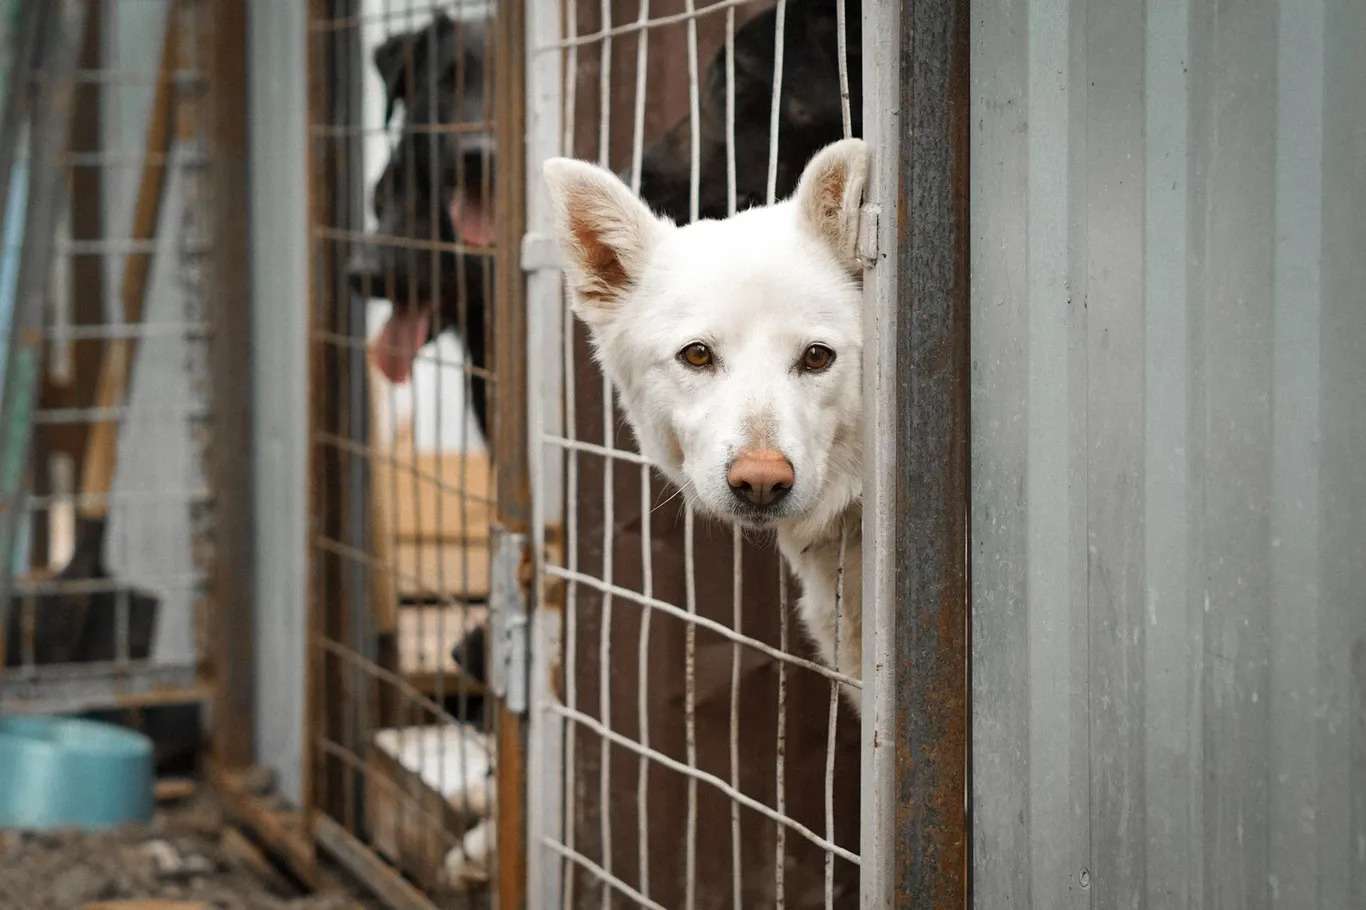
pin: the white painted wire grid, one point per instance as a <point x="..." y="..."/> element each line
<point x="571" y="515"/>
<point x="565" y="445"/>
<point x="609" y="505"/>
<point x="646" y="507"/>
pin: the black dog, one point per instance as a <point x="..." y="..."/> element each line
<point x="435" y="191"/>
<point x="809" y="115"/>
<point x="438" y="180"/>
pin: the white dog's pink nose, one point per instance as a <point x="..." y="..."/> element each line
<point x="760" y="477"/>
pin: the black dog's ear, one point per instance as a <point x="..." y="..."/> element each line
<point x="391" y="59"/>
<point x="402" y="59"/>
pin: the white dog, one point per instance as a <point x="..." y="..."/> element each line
<point x="736" y="348"/>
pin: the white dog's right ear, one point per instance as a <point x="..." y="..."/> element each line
<point x="829" y="193"/>
<point x="606" y="233"/>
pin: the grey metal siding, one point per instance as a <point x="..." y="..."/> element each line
<point x="1169" y="454"/>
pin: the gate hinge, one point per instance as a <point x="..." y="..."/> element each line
<point x="509" y="629"/>
<point x="866" y="247"/>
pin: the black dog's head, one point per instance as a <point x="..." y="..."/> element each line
<point x="810" y="113"/>
<point x="436" y="188"/>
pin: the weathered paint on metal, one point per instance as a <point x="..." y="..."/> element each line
<point x="930" y="638"/>
<point x="882" y="114"/>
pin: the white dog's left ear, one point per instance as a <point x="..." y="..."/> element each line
<point x="829" y="194"/>
<point x="607" y="235"/>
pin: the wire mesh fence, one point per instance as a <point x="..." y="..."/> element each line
<point x="706" y="755"/>
<point x="111" y="557"/>
<point x="405" y="402"/>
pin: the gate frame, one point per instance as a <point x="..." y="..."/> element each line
<point x="543" y="285"/>
<point x="507" y="451"/>
<point x="914" y="816"/>
<point x="510" y="453"/>
<point x="915" y="839"/>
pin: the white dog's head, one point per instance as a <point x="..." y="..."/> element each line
<point x="736" y="345"/>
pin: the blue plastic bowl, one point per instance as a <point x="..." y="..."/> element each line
<point x="60" y="772"/>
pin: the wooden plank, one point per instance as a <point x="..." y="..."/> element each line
<point x="166" y="119"/>
<point x="384" y="595"/>
<point x="284" y="832"/>
<point x="510" y="443"/>
<point x="222" y="36"/>
<point x="248" y="856"/>
<point x="173" y="789"/>
<point x="323" y="778"/>
<point x="439" y="495"/>
<point x="427" y="570"/>
<point x="86" y="292"/>
<point x="422" y="785"/>
<point x="373" y="872"/>
<point x="431" y="515"/>
<point x="140" y="903"/>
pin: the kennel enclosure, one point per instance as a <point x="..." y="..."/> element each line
<point x="1160" y="514"/>
<point x="708" y="665"/>
<point x="1112" y="364"/>
<point x="129" y="536"/>
<point x="647" y="683"/>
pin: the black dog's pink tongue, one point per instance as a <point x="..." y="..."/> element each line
<point x="398" y="342"/>
<point x="473" y="221"/>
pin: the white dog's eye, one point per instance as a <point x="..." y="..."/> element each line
<point x="816" y="358"/>
<point x="696" y="355"/>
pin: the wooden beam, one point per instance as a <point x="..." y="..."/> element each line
<point x="222" y="37"/>
<point x="511" y="447"/>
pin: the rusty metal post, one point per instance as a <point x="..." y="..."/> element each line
<point x="931" y="644"/>
<point x="916" y="668"/>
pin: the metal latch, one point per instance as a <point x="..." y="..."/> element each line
<point x="539" y="252"/>
<point x="509" y="630"/>
<point x="866" y="247"/>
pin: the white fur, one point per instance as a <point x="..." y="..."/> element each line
<point x="467" y="866"/>
<point x="758" y="288"/>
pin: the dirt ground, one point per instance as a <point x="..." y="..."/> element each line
<point x="186" y="853"/>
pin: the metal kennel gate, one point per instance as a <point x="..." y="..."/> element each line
<point x="125" y="333"/>
<point x="685" y="750"/>
<point x="419" y="486"/>
<point x="678" y="747"/>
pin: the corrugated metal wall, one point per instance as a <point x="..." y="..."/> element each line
<point x="1169" y="453"/>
